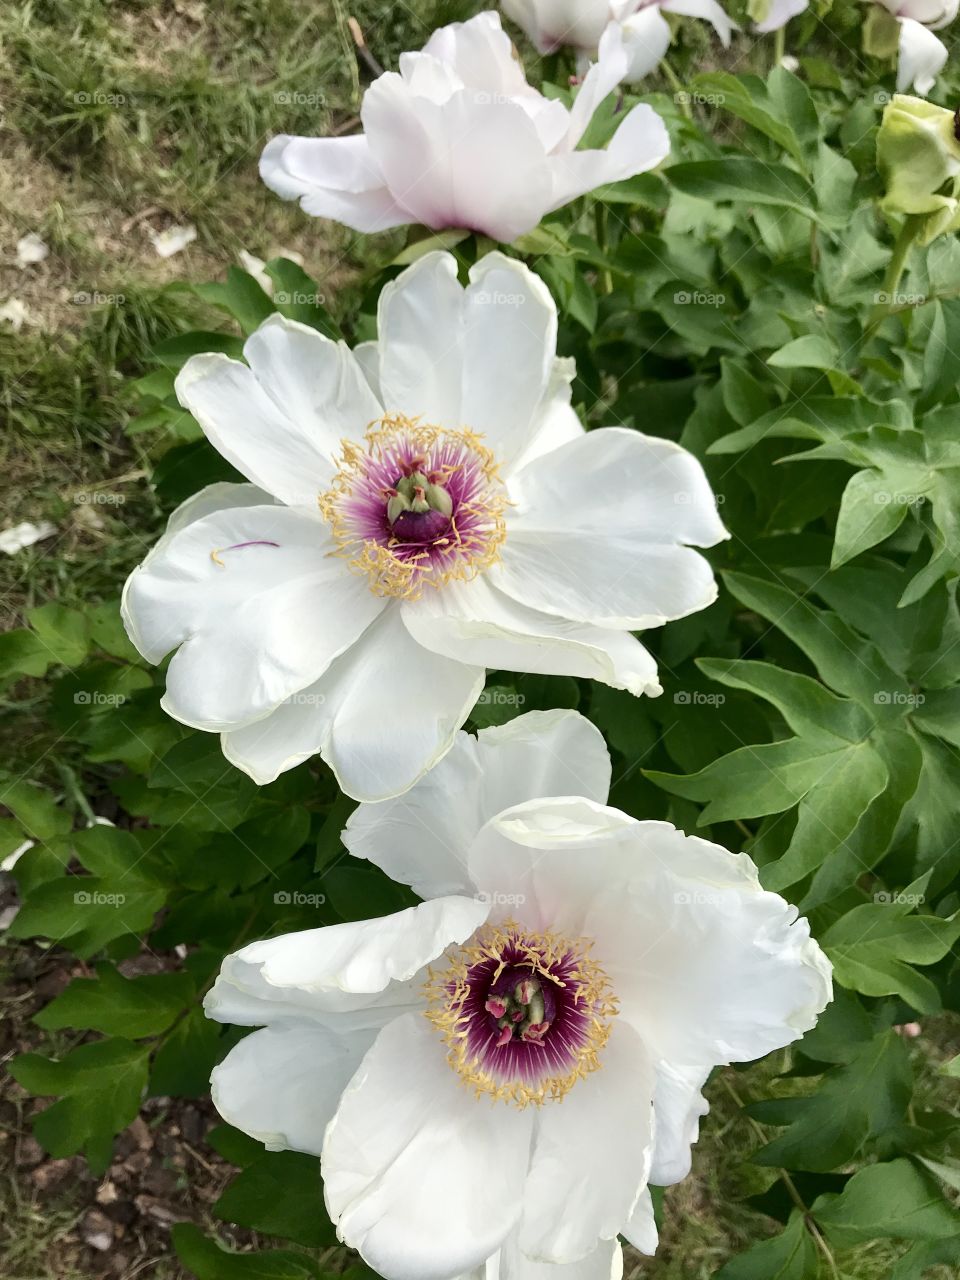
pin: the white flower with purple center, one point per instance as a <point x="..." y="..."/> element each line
<point x="419" y="510"/>
<point x="492" y="1079"/>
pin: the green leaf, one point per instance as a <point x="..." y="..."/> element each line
<point x="812" y="351"/>
<point x="99" y="1086"/>
<point x="869" y="513"/>
<point x="210" y="1260"/>
<point x="36" y="810"/>
<point x="280" y="1194"/>
<point x="182" y="1066"/>
<point x="64" y="633"/>
<point x="114" y="1005"/>
<point x="739" y="178"/>
<point x="891" y="1199"/>
<point x="873" y="947"/>
<point x="298" y="296"/>
<point x="792" y="1255"/>
<point x="241" y="296"/>
<point x="856" y="1104"/>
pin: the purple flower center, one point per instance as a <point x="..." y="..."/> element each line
<point x="416" y="507"/>
<point x="524" y="1015"/>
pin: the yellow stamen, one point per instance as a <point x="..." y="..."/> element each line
<point x="390" y="575"/>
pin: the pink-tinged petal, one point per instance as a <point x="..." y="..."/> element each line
<point x="421" y="1177"/>
<point x="640" y="143"/>
<point x="710" y="11"/>
<point x="332" y="178"/>
<point x="474" y="161"/>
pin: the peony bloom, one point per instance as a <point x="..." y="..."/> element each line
<point x="645" y="32"/>
<point x="458" y="138"/>
<point x="907" y="29"/>
<point x="418" y="510"/>
<point x="493" y="1077"/>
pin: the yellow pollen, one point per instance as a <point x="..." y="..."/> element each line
<point x="464" y="555"/>
<point x="447" y="990"/>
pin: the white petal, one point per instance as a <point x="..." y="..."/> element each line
<point x="709" y="10"/>
<point x="922" y="57"/>
<point x="381" y="716"/>
<point x="280" y="423"/>
<point x="421" y="838"/>
<point x="364" y="956"/>
<point x="552" y="23"/>
<point x="641" y="1230"/>
<point x="281" y="1085"/>
<point x="481" y="53"/>
<point x="646" y="39"/>
<point x="420" y="341"/>
<point x="420" y="1176"/>
<point x="611" y="551"/>
<point x="708" y="966"/>
<point x="480" y="624"/>
<point x="780" y="13"/>
<point x="640" y="143"/>
<point x="332" y="178"/>
<point x="481" y="358"/>
<point x="317" y="383"/>
<point x="474" y="161"/>
<point x="678" y="1106"/>
<point x="555" y="422"/>
<point x="753" y="981"/>
<point x="510" y="347"/>
<point x="591" y="1155"/>
<point x="257" y="603"/>
<point x="605" y="1263"/>
<point x="601" y="80"/>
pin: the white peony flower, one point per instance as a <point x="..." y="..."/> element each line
<point x="458" y="138"/>
<point x="922" y="56"/>
<point x="465" y="520"/>
<point x="493" y="1077"/>
<point x="645" y="33"/>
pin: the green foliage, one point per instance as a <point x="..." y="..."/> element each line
<point x="741" y="302"/>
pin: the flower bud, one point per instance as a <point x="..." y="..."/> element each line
<point x="918" y="156"/>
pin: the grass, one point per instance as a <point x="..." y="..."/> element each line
<point x="130" y="117"/>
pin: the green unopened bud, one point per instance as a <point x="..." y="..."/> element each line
<point x="918" y="156"/>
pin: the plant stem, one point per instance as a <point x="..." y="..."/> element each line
<point x="891" y="281"/>
<point x="680" y="95"/>
<point x="779" y="44"/>
<point x="600" y="223"/>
